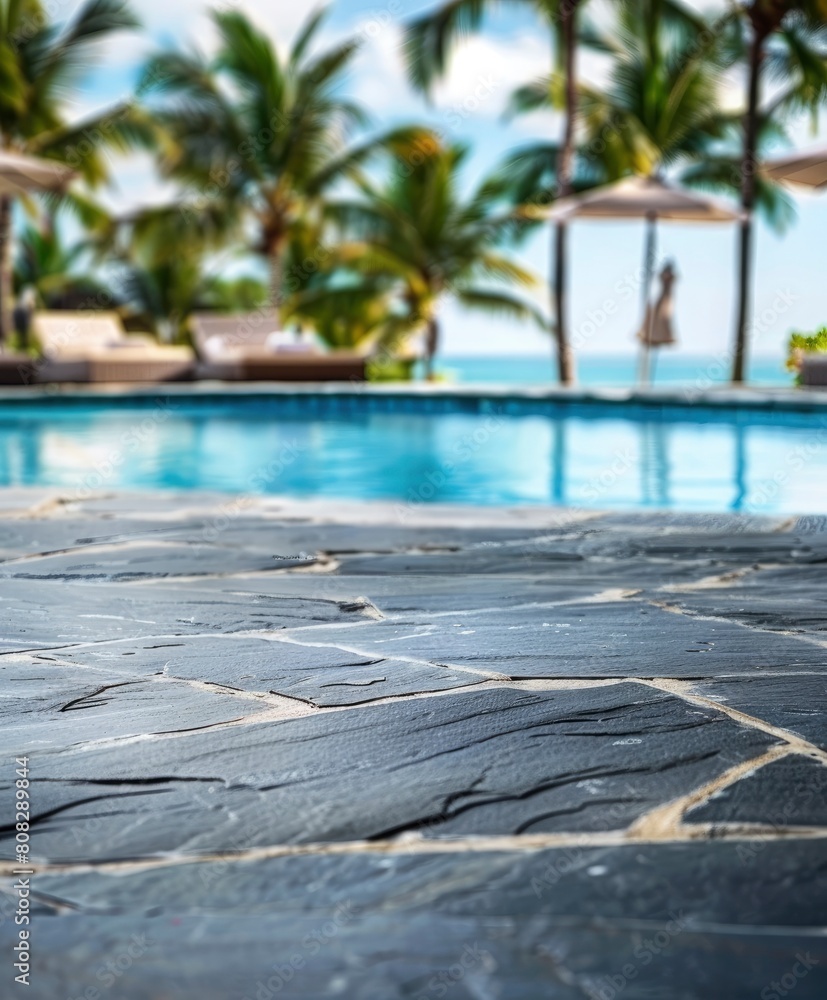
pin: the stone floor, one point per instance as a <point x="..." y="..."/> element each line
<point x="390" y="751"/>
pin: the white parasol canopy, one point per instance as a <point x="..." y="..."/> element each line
<point x="643" y="198"/>
<point x="19" y="174"/>
<point x="808" y="169"/>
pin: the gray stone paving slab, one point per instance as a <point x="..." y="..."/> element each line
<point x="481" y="754"/>
<point x="788" y="599"/>
<point x="740" y="883"/>
<point x="233" y="530"/>
<point x="677" y="921"/>
<point x="796" y="703"/>
<point x="494" y="762"/>
<point x="138" y="560"/>
<point x="785" y="793"/>
<point x="323" y="676"/>
<point x="417" y="956"/>
<point x="48" y="614"/>
<point x="52" y="705"/>
<point x="428" y="593"/>
<point x="599" y="569"/>
<point x="606" y="639"/>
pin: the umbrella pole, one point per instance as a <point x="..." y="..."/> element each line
<point x="647" y="322"/>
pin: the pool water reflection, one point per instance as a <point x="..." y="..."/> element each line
<point x="582" y="457"/>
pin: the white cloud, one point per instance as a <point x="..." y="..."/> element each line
<point x="378" y="78"/>
<point x="190" y="18"/>
<point x="135" y="184"/>
<point x="486" y="70"/>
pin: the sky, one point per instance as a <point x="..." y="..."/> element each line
<point x="468" y="107"/>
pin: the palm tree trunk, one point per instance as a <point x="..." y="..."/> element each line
<point x="565" y="360"/>
<point x="431" y="347"/>
<point x="745" y="247"/>
<point x="5" y="269"/>
<point x="275" y="286"/>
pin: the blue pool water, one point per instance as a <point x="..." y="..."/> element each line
<point x="423" y="450"/>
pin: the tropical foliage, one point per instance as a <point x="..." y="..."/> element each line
<point x="659" y="110"/>
<point x="286" y="195"/>
<point x="167" y="264"/>
<point x="59" y="272"/>
<point x="40" y="62"/>
<point x="429" y="42"/>
<point x="418" y="233"/>
<point x="254" y="134"/>
<point x="805" y="343"/>
<point x="785" y="41"/>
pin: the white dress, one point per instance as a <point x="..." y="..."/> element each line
<point x="657" y="330"/>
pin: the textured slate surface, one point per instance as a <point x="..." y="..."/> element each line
<point x="417" y="956"/>
<point x="135" y="560"/>
<point x="679" y="921"/>
<point x="788" y="792"/>
<point x="51" y="614"/>
<point x="796" y="703"/>
<point x="308" y="750"/>
<point x="46" y="704"/>
<point x="612" y="639"/>
<point x="320" y="675"/>
<point x="711" y="882"/>
<point x="789" y="599"/>
<point x="493" y="762"/>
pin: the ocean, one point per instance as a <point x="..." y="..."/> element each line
<point x="611" y="371"/>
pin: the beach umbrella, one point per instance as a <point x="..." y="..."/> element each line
<point x="650" y="199"/>
<point x="807" y="169"/>
<point x="19" y="175"/>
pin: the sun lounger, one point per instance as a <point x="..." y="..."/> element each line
<point x="93" y="347"/>
<point x="245" y="347"/>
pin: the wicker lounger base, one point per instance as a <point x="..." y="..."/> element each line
<point x="103" y="370"/>
<point x="317" y="370"/>
<point x="814" y="370"/>
<point x="148" y="371"/>
<point x="17" y="369"/>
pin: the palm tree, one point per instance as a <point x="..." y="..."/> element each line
<point x="39" y="62"/>
<point x="59" y="272"/>
<point x="417" y="231"/>
<point x="660" y="108"/>
<point x="429" y="41"/>
<point x="263" y="134"/>
<point x="169" y="264"/>
<point x="345" y="309"/>
<point x="354" y="315"/>
<point x="785" y="40"/>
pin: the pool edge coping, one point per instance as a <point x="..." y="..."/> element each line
<point x="724" y="398"/>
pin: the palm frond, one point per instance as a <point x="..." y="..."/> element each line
<point x="535" y="96"/>
<point x="306" y="35"/>
<point x="247" y="54"/>
<point x="722" y="175"/>
<point x="52" y="53"/>
<point x="429" y="39"/>
<point x="501" y="303"/>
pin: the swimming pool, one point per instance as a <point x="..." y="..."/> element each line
<point x="420" y="449"/>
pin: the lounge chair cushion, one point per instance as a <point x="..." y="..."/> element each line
<point x="67" y="334"/>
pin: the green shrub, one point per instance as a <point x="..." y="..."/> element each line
<point x="391" y="370"/>
<point x="805" y="343"/>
